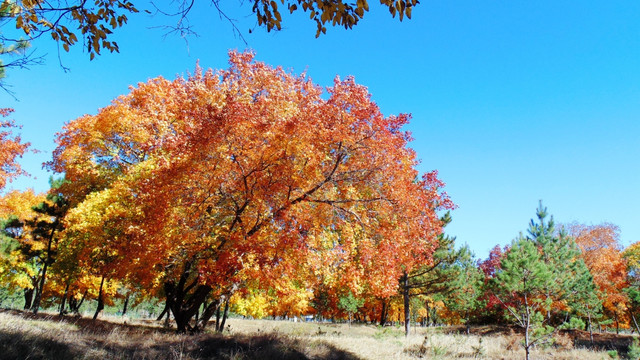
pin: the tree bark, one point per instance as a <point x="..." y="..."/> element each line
<point x="182" y="303"/>
<point x="28" y="298"/>
<point x="126" y="303"/>
<point x="383" y="314"/>
<point x="36" y="303"/>
<point x="405" y="295"/>
<point x="590" y="330"/>
<point x="64" y="300"/>
<point x="100" y="300"/>
<point x="226" y="312"/>
<point x="164" y="311"/>
<point x="74" y="305"/>
<point x="208" y="312"/>
<point x="635" y="321"/>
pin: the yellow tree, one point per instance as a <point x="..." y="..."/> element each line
<point x="21" y="255"/>
<point x="249" y="167"/>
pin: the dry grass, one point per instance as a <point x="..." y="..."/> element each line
<point x="23" y="336"/>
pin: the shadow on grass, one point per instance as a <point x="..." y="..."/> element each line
<point x="105" y="340"/>
<point x="268" y="346"/>
<point x="19" y="346"/>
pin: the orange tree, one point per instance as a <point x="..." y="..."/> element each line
<point x="603" y="255"/>
<point x="246" y="168"/>
<point x="11" y="148"/>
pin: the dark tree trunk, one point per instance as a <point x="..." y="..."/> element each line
<point x="64" y="300"/>
<point x="635" y="321"/>
<point x="74" y="304"/>
<point x="100" y="300"/>
<point x="47" y="261"/>
<point x="182" y="304"/>
<point x="208" y="312"/>
<point x="164" y="311"/>
<point x="383" y="313"/>
<point x="405" y="296"/>
<point x="126" y="303"/>
<point x="28" y="298"/>
<point x="219" y="315"/>
<point x="226" y="312"/>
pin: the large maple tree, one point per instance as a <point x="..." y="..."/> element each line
<point x="200" y="179"/>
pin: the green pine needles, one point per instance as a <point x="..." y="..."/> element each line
<point x="542" y="281"/>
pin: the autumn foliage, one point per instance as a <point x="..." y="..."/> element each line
<point x="194" y="186"/>
<point x="11" y="148"/>
<point x="255" y="191"/>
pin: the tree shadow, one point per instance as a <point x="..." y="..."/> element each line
<point x="18" y="346"/>
<point x="269" y="346"/>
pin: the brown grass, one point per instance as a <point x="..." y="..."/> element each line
<point x="24" y="336"/>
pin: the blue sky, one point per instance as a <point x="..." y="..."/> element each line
<point x="512" y="102"/>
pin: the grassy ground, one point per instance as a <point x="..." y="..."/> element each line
<point x="24" y="336"/>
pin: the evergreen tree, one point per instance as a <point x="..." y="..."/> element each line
<point x="522" y="286"/>
<point x="469" y="288"/>
<point x="543" y="280"/>
<point x="436" y="278"/>
<point x="572" y="286"/>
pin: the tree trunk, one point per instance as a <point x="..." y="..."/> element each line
<point x="74" y="304"/>
<point x="208" y="312"/>
<point x="100" y="300"/>
<point x="635" y="321"/>
<point x="383" y="314"/>
<point x="405" y="295"/>
<point x="36" y="303"/>
<point x="224" y="316"/>
<point x="183" y="304"/>
<point x="219" y="316"/>
<point x="527" y="345"/>
<point x="164" y="311"/>
<point x="590" y="330"/>
<point x="126" y="303"/>
<point x="64" y="300"/>
<point x="28" y="298"/>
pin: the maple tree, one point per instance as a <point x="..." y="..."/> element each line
<point x="246" y="168"/>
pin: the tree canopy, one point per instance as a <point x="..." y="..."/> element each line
<point x="199" y="184"/>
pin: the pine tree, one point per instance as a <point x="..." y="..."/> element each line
<point x="522" y="286"/>
<point x="436" y="278"/>
<point x="543" y="279"/>
<point x="572" y="284"/>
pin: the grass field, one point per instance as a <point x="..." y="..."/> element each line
<point x="24" y="336"/>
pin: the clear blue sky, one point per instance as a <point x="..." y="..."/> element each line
<point x="512" y="102"/>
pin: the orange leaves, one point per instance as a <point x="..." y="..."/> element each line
<point x="602" y="253"/>
<point x="11" y="148"/>
<point x="248" y="170"/>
